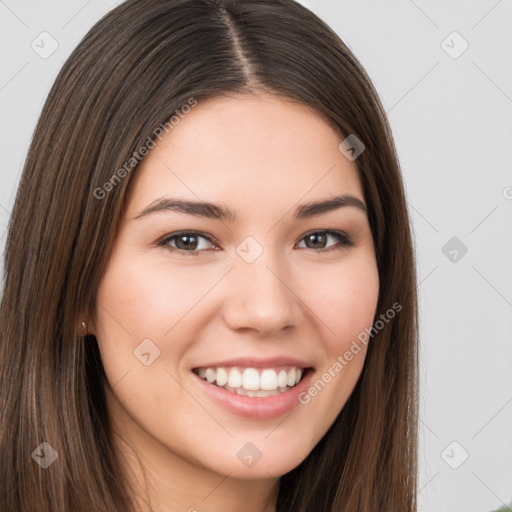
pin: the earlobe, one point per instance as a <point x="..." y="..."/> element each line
<point x="85" y="329"/>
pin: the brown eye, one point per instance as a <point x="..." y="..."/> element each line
<point x="187" y="242"/>
<point x="318" y="240"/>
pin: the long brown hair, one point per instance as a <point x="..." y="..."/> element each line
<point x="138" y="65"/>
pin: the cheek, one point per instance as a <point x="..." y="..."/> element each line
<point x="346" y="301"/>
<point x="138" y="304"/>
<point x="147" y="300"/>
<point x="148" y="307"/>
<point x="346" y="307"/>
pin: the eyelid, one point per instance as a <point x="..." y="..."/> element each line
<point x="344" y="240"/>
<point x="164" y="241"/>
<point x="174" y="234"/>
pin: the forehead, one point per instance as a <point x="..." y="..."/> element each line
<point x="253" y="152"/>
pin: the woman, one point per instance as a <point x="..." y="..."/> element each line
<point x="210" y="293"/>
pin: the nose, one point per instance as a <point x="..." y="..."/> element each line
<point x="261" y="297"/>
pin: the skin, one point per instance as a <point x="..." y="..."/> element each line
<point x="292" y="300"/>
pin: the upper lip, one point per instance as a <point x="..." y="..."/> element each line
<point x="255" y="362"/>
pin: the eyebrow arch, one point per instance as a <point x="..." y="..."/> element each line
<point x="218" y="212"/>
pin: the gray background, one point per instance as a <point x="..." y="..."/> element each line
<point x="451" y="117"/>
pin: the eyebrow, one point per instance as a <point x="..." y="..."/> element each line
<point x="219" y="212"/>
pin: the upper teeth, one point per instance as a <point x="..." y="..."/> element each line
<point x="252" y="379"/>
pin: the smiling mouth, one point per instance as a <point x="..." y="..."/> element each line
<point x="254" y="382"/>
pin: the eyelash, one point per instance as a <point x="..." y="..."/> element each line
<point x="344" y="241"/>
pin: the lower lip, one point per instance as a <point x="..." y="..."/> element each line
<point x="256" y="408"/>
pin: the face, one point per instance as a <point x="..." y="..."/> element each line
<point x="254" y="301"/>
